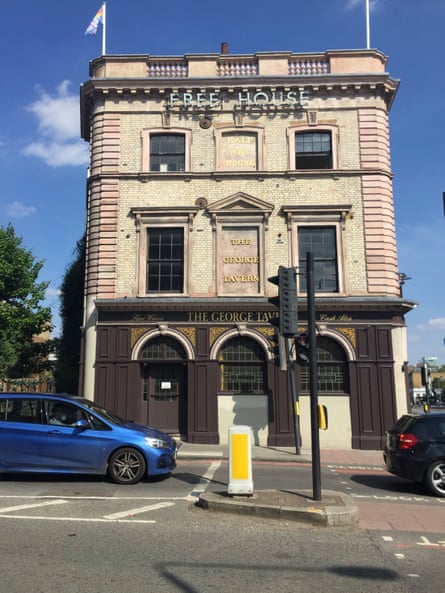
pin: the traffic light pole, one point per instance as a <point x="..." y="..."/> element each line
<point x="287" y="323"/>
<point x="313" y="379"/>
<point x="294" y="398"/>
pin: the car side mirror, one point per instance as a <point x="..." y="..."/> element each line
<point x="82" y="423"/>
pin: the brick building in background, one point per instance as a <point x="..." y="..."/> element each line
<point x="206" y="173"/>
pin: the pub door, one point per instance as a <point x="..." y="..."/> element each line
<point x="164" y="397"/>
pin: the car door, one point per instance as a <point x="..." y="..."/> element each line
<point x="22" y="433"/>
<point x="68" y="447"/>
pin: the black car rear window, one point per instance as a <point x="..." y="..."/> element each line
<point x="403" y="424"/>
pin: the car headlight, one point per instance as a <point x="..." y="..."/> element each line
<point x="157" y="443"/>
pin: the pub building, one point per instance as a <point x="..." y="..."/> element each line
<point x="206" y="173"/>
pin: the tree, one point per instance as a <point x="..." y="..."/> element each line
<point x="71" y="309"/>
<point x="22" y="316"/>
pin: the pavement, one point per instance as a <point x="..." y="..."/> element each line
<point x="283" y="454"/>
<point x="334" y="508"/>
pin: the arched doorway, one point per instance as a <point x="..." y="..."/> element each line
<point x="164" y="385"/>
<point x="242" y="399"/>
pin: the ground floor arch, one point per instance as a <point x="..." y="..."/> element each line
<point x="190" y="372"/>
<point x="243" y="398"/>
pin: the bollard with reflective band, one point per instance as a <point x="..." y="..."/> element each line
<point x="240" y="460"/>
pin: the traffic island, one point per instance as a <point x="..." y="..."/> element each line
<point x="335" y="508"/>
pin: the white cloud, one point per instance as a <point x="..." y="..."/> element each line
<point x="59" y="154"/>
<point x="19" y="210"/>
<point x="437" y="323"/>
<point x="50" y="292"/>
<point x="59" y="142"/>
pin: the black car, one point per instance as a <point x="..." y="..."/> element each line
<point x="415" y="449"/>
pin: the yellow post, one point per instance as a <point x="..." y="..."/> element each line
<point x="240" y="460"/>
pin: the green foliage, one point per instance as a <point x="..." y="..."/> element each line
<point x="67" y="368"/>
<point x="438" y="383"/>
<point x="22" y="317"/>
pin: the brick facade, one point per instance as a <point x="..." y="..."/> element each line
<point x="240" y="202"/>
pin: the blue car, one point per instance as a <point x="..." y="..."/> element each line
<point x="68" y="434"/>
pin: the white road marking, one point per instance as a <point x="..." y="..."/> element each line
<point x="399" y="556"/>
<point x="205" y="480"/>
<point x="22" y="507"/>
<point x="110" y="498"/>
<point x="138" y="511"/>
<point x="75" y="519"/>
<point x="387" y="538"/>
<point x="426" y="542"/>
<point x="358" y="467"/>
<point x="396" y="498"/>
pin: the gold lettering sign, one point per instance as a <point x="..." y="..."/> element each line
<point x="239" y="151"/>
<point x="239" y="266"/>
<point x="232" y="316"/>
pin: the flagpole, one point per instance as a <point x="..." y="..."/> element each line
<point x="368" y="33"/>
<point x="104" y="28"/>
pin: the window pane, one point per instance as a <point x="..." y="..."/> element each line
<point x="332" y="368"/>
<point x="242" y="349"/>
<point x="167" y="152"/>
<point x="165" y="264"/>
<point x="163" y="348"/>
<point x="242" y="378"/>
<point x="321" y="242"/>
<point x="313" y="150"/>
<point x="23" y="410"/>
<point x="242" y="367"/>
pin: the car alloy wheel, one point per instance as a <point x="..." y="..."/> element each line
<point x="127" y="466"/>
<point x="435" y="478"/>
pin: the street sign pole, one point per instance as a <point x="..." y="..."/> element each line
<point x="313" y="379"/>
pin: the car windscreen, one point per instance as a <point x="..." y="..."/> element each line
<point x="104" y="413"/>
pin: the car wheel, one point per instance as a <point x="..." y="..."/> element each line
<point x="435" y="478"/>
<point x="126" y="466"/>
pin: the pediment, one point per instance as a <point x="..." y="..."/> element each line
<point x="240" y="203"/>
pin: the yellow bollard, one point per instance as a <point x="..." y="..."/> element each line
<point x="240" y="460"/>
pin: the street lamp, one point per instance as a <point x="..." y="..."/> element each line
<point x="402" y="279"/>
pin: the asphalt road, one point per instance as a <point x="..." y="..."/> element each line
<point x="70" y="535"/>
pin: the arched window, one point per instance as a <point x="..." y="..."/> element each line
<point x="242" y="366"/>
<point x="333" y="376"/>
<point x="163" y="348"/>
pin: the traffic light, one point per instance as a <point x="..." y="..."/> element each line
<point x="302" y="347"/>
<point x="288" y="302"/>
<point x="287" y="319"/>
<point x="425" y="374"/>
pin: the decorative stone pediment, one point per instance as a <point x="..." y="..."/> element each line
<point x="240" y="206"/>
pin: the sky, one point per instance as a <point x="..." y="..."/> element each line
<point x="43" y="160"/>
